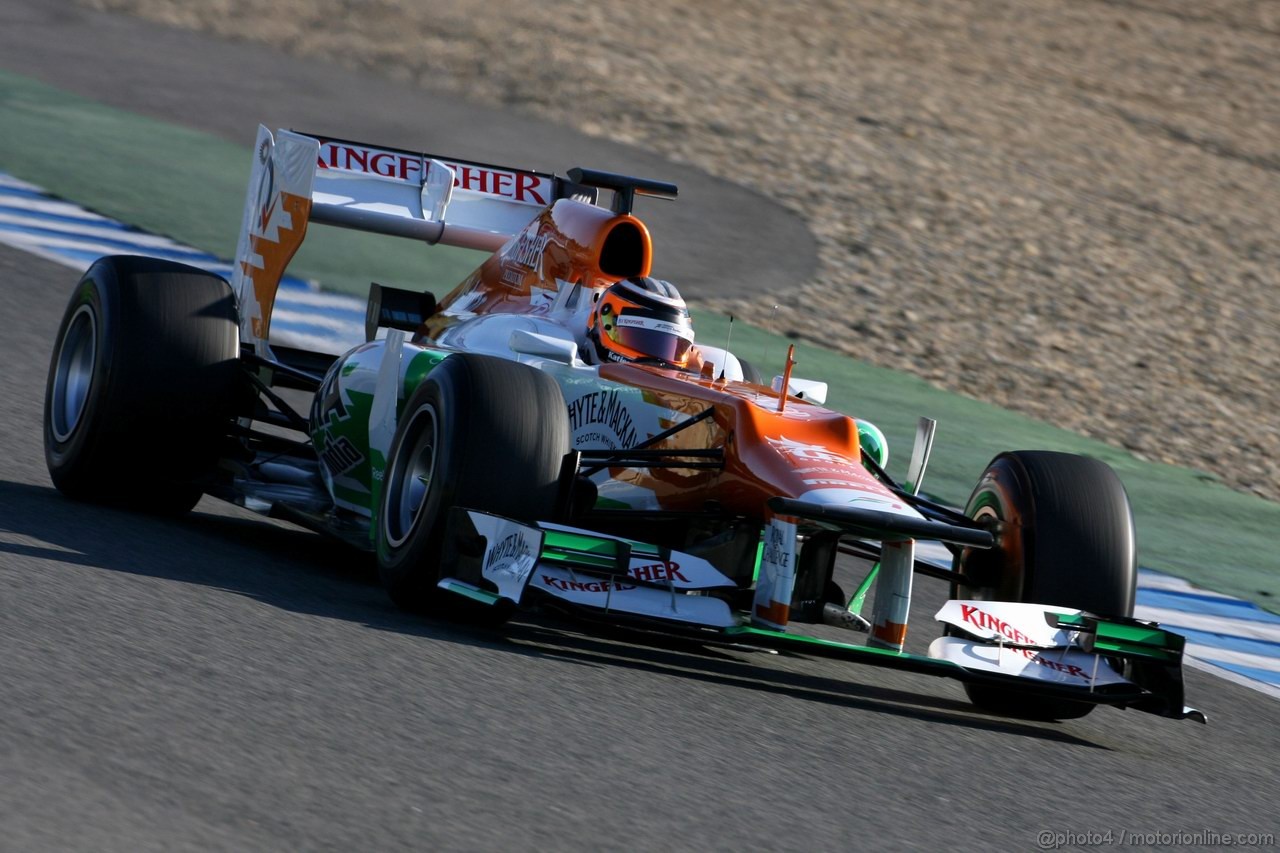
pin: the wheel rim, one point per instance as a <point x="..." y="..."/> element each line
<point x="409" y="480"/>
<point x="73" y="373"/>
<point x="1001" y="570"/>
<point x="983" y="593"/>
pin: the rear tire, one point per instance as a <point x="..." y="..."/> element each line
<point x="479" y="432"/>
<point x="142" y="383"/>
<point x="1064" y="535"/>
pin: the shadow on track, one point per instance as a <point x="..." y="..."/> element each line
<point x="302" y="572"/>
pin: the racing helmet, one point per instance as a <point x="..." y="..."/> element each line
<point x="641" y="319"/>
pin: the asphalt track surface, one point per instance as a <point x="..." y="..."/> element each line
<point x="220" y="681"/>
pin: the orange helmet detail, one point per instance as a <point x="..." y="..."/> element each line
<point x="643" y="320"/>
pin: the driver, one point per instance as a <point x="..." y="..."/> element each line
<point x="642" y="320"/>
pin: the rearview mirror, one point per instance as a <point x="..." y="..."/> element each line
<point x="806" y="389"/>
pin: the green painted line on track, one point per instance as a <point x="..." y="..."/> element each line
<point x="190" y="186"/>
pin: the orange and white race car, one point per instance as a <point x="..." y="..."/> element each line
<point x="550" y="434"/>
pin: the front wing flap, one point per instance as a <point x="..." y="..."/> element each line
<point x="492" y="558"/>
<point x="1067" y="647"/>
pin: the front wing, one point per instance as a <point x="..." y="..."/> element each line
<point x="1034" y="649"/>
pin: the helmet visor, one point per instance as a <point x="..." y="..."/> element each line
<point x="655" y="338"/>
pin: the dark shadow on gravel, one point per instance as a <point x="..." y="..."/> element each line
<point x="302" y="572"/>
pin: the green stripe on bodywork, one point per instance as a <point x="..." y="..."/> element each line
<point x="422" y="364"/>
<point x="464" y="589"/>
<point x="1131" y="641"/>
<point x="586" y="551"/>
<point x="563" y="539"/>
<point x="578" y="559"/>
<point x="859" y="597"/>
<point x="581" y="550"/>
<point x="833" y="648"/>
<point x="559" y="540"/>
<point x="817" y="647"/>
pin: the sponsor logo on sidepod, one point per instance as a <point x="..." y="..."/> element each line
<point x="607" y="412"/>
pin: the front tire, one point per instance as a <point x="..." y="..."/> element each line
<point x="1064" y="535"/>
<point x="479" y="432"/>
<point x="142" y="383"/>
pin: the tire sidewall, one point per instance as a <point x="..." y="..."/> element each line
<point x="1001" y="573"/>
<point x="68" y="457"/>
<point x="398" y="565"/>
<point x="164" y="386"/>
<point x="502" y="432"/>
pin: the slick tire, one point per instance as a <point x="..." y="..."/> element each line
<point x="142" y="384"/>
<point x="479" y="432"/>
<point x="1064" y="535"/>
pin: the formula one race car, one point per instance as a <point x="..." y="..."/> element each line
<point x="548" y="434"/>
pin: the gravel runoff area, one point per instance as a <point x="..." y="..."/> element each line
<point x="1066" y="207"/>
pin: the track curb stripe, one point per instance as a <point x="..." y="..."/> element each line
<point x="304" y="316"/>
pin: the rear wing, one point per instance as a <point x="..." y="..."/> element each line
<point x="298" y="179"/>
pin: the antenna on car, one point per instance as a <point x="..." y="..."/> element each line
<point x="727" y="338"/>
<point x="772" y="327"/>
